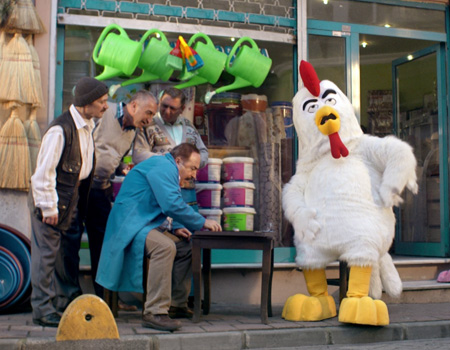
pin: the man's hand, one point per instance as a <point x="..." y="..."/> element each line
<point x="212" y="225"/>
<point x="50" y="220"/>
<point x="183" y="233"/>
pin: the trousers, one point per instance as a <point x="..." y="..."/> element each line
<point x="169" y="272"/>
<point x="54" y="266"/>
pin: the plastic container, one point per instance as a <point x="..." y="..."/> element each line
<point x="211" y="214"/>
<point x="238" y="194"/>
<point x="284" y="108"/>
<point x="208" y="195"/>
<point x="238" y="168"/>
<point x="219" y="115"/>
<point x="254" y="102"/>
<point x="116" y="184"/>
<point x="238" y="219"/>
<point x="211" y="171"/>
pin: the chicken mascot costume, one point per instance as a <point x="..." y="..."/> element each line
<point x="339" y="203"/>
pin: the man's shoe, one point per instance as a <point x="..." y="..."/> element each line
<point x="180" y="312"/>
<point x="160" y="322"/>
<point x="51" y="320"/>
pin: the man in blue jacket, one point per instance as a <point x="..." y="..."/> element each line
<point x="137" y="226"/>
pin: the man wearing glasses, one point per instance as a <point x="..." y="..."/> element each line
<point x="167" y="130"/>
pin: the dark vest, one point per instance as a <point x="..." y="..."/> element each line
<point x="72" y="193"/>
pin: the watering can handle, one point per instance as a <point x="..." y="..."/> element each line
<point x="235" y="47"/>
<point x="103" y="36"/>
<point x="153" y="31"/>
<point x="200" y="35"/>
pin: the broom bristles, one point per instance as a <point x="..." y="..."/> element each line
<point x="37" y="73"/>
<point x="17" y="73"/>
<point x="34" y="138"/>
<point x="24" y="19"/>
<point x="15" y="172"/>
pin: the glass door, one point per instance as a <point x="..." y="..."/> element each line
<point x="420" y="119"/>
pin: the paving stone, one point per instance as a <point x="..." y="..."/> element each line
<point x="284" y="338"/>
<point x="428" y="330"/>
<point x="205" y="341"/>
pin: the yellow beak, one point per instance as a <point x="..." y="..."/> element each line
<point x="328" y="120"/>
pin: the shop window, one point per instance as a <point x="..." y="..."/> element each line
<point x="250" y="125"/>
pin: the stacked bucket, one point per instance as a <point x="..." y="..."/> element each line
<point x="15" y="269"/>
<point x="208" y="189"/>
<point x="238" y="192"/>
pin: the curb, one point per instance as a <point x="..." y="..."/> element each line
<point x="248" y="339"/>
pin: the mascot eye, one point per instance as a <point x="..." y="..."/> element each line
<point x="313" y="108"/>
<point x="330" y="101"/>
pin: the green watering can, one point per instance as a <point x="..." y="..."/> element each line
<point x="249" y="67"/>
<point x="116" y="52"/>
<point x="213" y="63"/>
<point x="153" y="59"/>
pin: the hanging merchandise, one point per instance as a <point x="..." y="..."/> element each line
<point x="33" y="133"/>
<point x="191" y="58"/>
<point x="175" y="58"/>
<point x="17" y="73"/>
<point x="116" y="52"/>
<point x="249" y="67"/>
<point x="213" y="63"/>
<point x="39" y="97"/>
<point x="153" y="61"/>
<point x="15" y="171"/>
<point x="24" y="18"/>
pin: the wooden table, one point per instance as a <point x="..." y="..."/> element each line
<point x="208" y="240"/>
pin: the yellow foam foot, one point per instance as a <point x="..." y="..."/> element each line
<point x="364" y="310"/>
<point x="300" y="307"/>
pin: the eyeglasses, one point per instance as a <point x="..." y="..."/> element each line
<point x="173" y="109"/>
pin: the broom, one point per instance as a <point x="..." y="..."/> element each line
<point x="24" y="18"/>
<point x="31" y="126"/>
<point x="15" y="171"/>
<point x="33" y="133"/>
<point x="38" y="95"/>
<point x="17" y="73"/>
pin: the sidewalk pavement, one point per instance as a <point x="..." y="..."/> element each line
<point x="237" y="327"/>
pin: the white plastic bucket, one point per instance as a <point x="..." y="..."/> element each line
<point x="238" y="219"/>
<point x="208" y="195"/>
<point x="238" y="168"/>
<point x="211" y="171"/>
<point x="238" y="194"/>
<point x="211" y="214"/>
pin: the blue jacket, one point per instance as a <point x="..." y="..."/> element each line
<point x="149" y="193"/>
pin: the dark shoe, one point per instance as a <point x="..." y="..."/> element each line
<point x="125" y="307"/>
<point x="180" y="312"/>
<point x="51" y="320"/>
<point x="161" y="322"/>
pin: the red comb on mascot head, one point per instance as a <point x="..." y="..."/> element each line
<point x="340" y="202"/>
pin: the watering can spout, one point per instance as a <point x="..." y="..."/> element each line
<point x="196" y="80"/>
<point x="109" y="73"/>
<point x="237" y="84"/>
<point x="143" y="78"/>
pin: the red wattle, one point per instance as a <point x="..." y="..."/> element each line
<point x="337" y="147"/>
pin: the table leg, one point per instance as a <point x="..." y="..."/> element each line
<point x="269" y="304"/>
<point x="206" y="280"/>
<point x="266" y="282"/>
<point x="197" y="277"/>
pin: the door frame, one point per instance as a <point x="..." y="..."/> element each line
<point x="428" y="248"/>
<point x="352" y="33"/>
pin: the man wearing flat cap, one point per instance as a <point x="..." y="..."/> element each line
<point x="60" y="186"/>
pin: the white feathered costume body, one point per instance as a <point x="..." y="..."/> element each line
<point x="341" y="207"/>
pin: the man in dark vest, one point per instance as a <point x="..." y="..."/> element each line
<point x="60" y="186"/>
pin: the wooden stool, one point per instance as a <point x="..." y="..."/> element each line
<point x="342" y="281"/>
<point x="208" y="240"/>
<point x="112" y="298"/>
